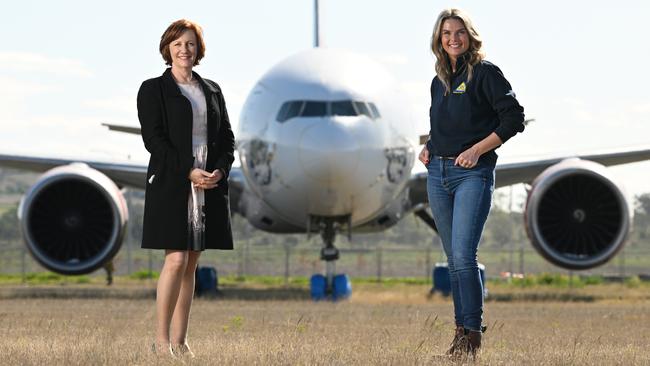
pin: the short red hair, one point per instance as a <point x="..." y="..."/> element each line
<point x="174" y="32"/>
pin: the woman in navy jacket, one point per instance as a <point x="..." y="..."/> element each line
<point x="186" y="129"/>
<point x="473" y="111"/>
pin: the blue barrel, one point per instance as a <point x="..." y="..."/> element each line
<point x="206" y="280"/>
<point x="442" y="284"/>
<point x="342" y="287"/>
<point x="317" y="286"/>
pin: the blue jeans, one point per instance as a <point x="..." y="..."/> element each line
<point x="460" y="201"/>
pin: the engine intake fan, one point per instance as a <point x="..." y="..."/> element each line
<point x="73" y="219"/>
<point x="576" y="215"/>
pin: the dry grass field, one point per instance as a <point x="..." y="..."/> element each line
<point x="379" y="326"/>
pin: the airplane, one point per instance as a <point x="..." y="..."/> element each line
<point x="326" y="146"/>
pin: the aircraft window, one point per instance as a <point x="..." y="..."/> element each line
<point x="290" y="110"/>
<point x="294" y="109"/>
<point x="374" y="110"/>
<point x="314" y="109"/>
<point x="362" y="109"/>
<point x="343" y="108"/>
<point x="283" y="112"/>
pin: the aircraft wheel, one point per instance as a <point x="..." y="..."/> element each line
<point x="318" y="287"/>
<point x="342" y="287"/>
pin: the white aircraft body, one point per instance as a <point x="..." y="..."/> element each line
<point x="327" y="146"/>
<point x="320" y="138"/>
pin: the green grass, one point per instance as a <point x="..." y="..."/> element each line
<point x="556" y="280"/>
<point x="263" y="280"/>
<point x="42" y="278"/>
<point x="530" y="282"/>
<point x="144" y="274"/>
<point x="304" y="280"/>
<point x="633" y="282"/>
<point x="391" y="281"/>
<point x="4" y="208"/>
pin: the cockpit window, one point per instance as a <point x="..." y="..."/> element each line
<point x="314" y="109"/>
<point x="290" y="110"/>
<point x="343" y="108"/>
<point x="281" y="117"/>
<point x="311" y="108"/>
<point x="375" y="111"/>
<point x="362" y="109"/>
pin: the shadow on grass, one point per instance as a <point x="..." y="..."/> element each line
<point x="51" y="292"/>
<point x="541" y="297"/>
<point x="227" y="293"/>
<point x="261" y="294"/>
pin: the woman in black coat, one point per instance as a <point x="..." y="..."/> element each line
<point x="186" y="129"/>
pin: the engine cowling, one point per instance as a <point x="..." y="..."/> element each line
<point x="577" y="217"/>
<point x="73" y="219"/>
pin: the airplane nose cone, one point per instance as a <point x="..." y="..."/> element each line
<point x="328" y="152"/>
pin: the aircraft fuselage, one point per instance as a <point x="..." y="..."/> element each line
<point x="319" y="136"/>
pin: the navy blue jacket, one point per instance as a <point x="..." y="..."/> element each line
<point x="472" y="111"/>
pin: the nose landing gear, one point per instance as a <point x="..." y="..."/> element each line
<point x="332" y="286"/>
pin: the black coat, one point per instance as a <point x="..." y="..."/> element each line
<point x="166" y="120"/>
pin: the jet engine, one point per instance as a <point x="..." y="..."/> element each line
<point x="576" y="215"/>
<point x="73" y="219"/>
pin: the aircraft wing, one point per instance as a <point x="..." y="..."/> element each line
<point x="132" y="175"/>
<point x="122" y="128"/>
<point x="526" y="171"/>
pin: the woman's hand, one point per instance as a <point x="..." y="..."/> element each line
<point x="218" y="174"/>
<point x="424" y="155"/>
<point x="468" y="158"/>
<point x="205" y="180"/>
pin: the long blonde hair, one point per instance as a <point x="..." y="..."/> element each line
<point x="443" y="68"/>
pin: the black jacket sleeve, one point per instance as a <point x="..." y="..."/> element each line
<point x="226" y="140"/>
<point x="154" y="135"/>
<point x="499" y="94"/>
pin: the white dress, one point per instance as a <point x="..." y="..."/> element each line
<point x="196" y="200"/>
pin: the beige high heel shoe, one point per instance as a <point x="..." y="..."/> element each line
<point x="182" y="350"/>
<point x="161" y="349"/>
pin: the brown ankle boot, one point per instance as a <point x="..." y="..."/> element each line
<point x="455" y="346"/>
<point x="473" y="341"/>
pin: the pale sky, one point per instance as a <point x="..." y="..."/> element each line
<point x="578" y="67"/>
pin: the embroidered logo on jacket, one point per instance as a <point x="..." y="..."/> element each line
<point x="460" y="89"/>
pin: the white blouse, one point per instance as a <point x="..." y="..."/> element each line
<point x="194" y="93"/>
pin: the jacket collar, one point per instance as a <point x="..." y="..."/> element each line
<point x="170" y="88"/>
<point x="461" y="63"/>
